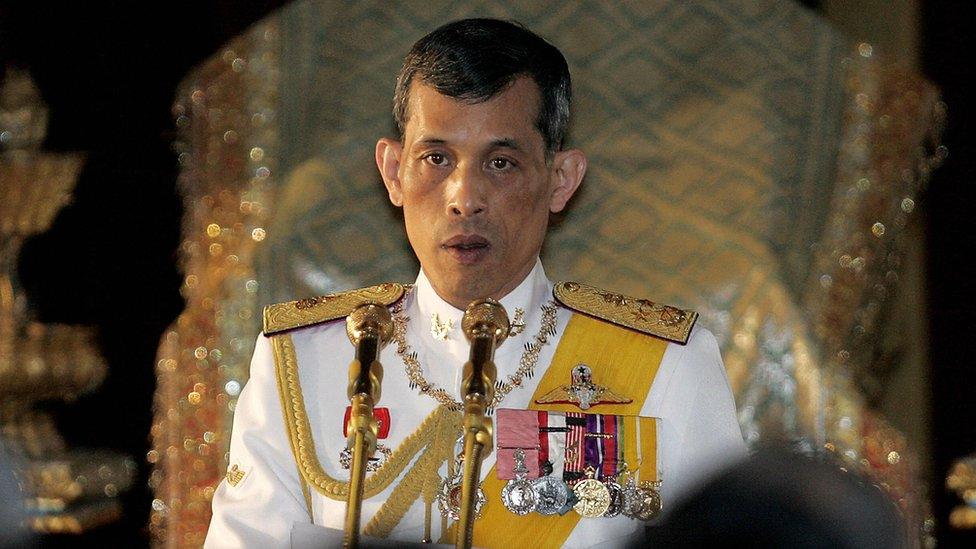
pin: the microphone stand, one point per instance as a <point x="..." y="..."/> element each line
<point x="485" y="324"/>
<point x="369" y="328"/>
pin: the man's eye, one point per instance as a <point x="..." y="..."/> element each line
<point x="500" y="163"/>
<point x="437" y="159"/>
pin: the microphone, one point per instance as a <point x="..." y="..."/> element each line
<point x="485" y="324"/>
<point x="370" y="328"/>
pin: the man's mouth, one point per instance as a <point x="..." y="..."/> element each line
<point x="467" y="249"/>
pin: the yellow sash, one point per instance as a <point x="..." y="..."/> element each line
<point x="626" y="362"/>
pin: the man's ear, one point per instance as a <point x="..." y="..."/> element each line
<point x="569" y="167"/>
<point x="388" y="161"/>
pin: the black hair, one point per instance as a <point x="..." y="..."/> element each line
<point x="473" y="60"/>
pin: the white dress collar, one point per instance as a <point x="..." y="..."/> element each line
<point x="528" y="296"/>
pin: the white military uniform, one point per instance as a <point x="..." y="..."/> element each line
<point x="690" y="393"/>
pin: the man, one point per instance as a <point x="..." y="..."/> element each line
<point x="482" y="108"/>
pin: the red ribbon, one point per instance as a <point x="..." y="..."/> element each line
<point x="382" y="416"/>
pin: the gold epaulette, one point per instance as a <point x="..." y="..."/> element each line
<point x="645" y="316"/>
<point x="281" y="317"/>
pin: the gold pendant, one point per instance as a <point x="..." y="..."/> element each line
<point x="235" y="475"/>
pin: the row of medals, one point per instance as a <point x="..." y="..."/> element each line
<point x="548" y="495"/>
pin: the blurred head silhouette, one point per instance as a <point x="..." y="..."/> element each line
<point x="13" y="530"/>
<point x="781" y="499"/>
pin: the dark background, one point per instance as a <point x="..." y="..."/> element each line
<point x="109" y="73"/>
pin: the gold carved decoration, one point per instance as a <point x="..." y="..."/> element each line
<point x="281" y="317"/>
<point x="63" y="488"/>
<point x="663" y="321"/>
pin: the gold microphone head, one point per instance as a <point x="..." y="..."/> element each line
<point x="370" y="319"/>
<point x="485" y="315"/>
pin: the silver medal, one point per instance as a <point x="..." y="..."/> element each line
<point x="616" y="498"/>
<point x="551" y="495"/>
<point x="631" y="500"/>
<point x="518" y="495"/>
<point x="373" y="464"/>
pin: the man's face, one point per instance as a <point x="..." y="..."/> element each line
<point x="475" y="188"/>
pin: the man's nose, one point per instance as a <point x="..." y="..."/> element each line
<point x="467" y="192"/>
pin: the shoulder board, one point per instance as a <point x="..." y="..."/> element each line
<point x="281" y="317"/>
<point x="645" y="316"/>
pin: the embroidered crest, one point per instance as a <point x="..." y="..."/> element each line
<point x="582" y="391"/>
<point x="235" y="475"/>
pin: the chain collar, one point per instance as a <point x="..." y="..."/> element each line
<point x="525" y="370"/>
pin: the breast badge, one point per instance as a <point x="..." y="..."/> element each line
<point x="449" y="494"/>
<point x="582" y="391"/>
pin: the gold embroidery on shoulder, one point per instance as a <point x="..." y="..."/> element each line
<point x="663" y="321"/>
<point x="235" y="475"/>
<point x="281" y="317"/>
<point x="303" y="447"/>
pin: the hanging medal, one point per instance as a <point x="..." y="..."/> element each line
<point x="383" y="452"/>
<point x="551" y="495"/>
<point x="518" y="495"/>
<point x="373" y="464"/>
<point x="616" y="498"/>
<point x="641" y="500"/>
<point x="631" y="500"/>
<point x="593" y="497"/>
<point x="650" y="496"/>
